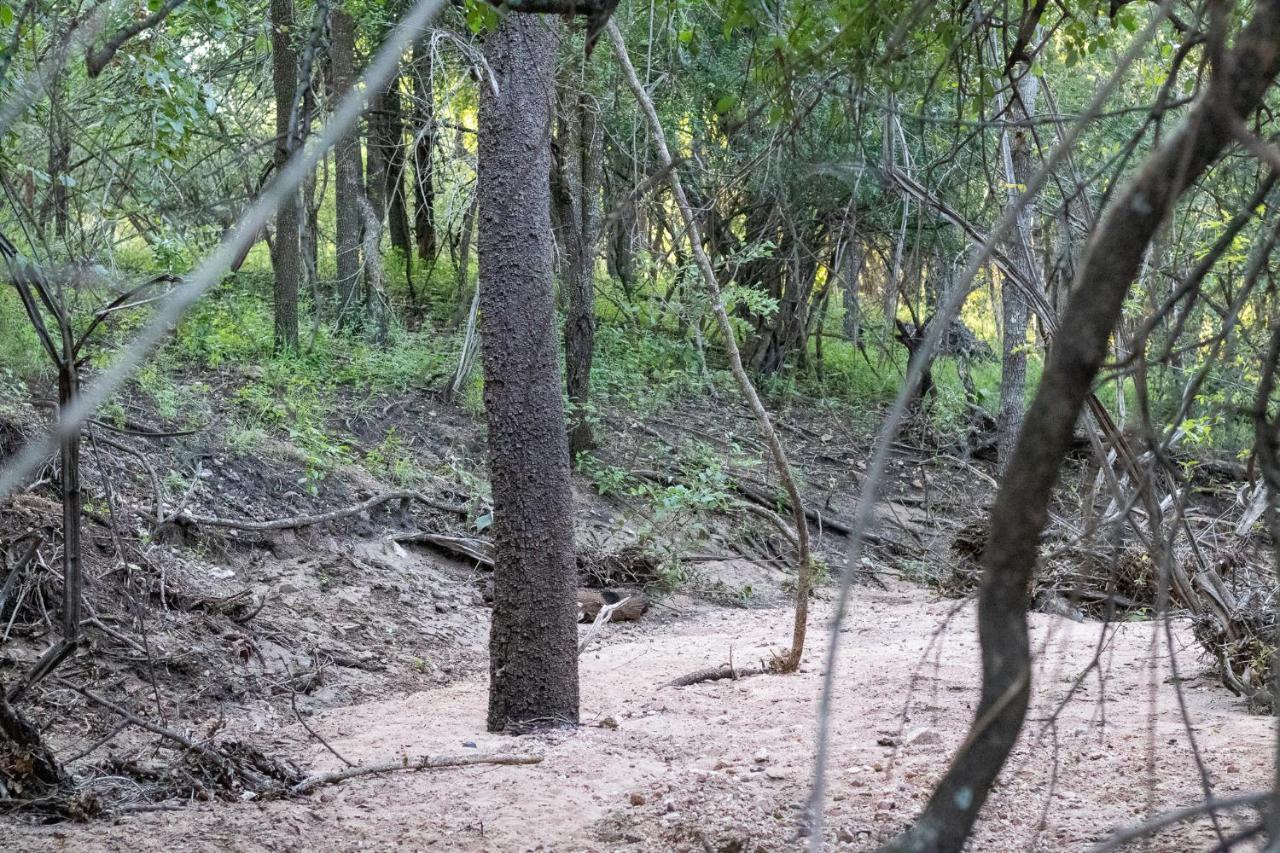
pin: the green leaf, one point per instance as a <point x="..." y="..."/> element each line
<point x="726" y="103"/>
<point x="6" y="15"/>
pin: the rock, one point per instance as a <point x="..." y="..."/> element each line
<point x="775" y="773"/>
<point x="636" y="798"/>
<point x="844" y="836"/>
<point x="762" y="756"/>
<point x="923" y="737"/>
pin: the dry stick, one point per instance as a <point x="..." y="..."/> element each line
<point x="311" y="520"/>
<point x="716" y="673"/>
<point x="863" y="518"/>
<point x="792" y="660"/>
<point x="384" y="64"/>
<point x="1123" y="838"/>
<point x="422" y="762"/>
<point x="598" y="623"/>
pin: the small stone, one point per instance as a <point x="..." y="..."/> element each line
<point x="762" y="756"/>
<point x="775" y="773"/>
<point x="720" y="764"/>
<point x="844" y="836"/>
<point x="923" y="737"/>
<point x="885" y="805"/>
<point x="1233" y="768"/>
<point x="637" y="798"/>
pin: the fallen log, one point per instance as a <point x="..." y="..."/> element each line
<point x="458" y="546"/>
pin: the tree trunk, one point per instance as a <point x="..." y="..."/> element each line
<point x="851" y="260"/>
<point x="424" y="195"/>
<point x="286" y="260"/>
<point x="386" y="157"/>
<point x="578" y="207"/>
<point x="1017" y="158"/>
<point x="347" y="180"/>
<point x="533" y="658"/>
<point x="1107" y="271"/>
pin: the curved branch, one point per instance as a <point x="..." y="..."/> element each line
<point x="96" y="60"/>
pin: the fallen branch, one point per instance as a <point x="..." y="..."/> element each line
<point x="597" y="625"/>
<point x="311" y="520"/>
<point x="717" y="673"/>
<point x="422" y="762"/>
<point x="465" y="546"/>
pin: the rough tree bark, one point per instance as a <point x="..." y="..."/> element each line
<point x="347" y="167"/>
<point x="424" y="191"/>
<point x="1112" y="260"/>
<point x="533" y="658"/>
<point x="578" y="204"/>
<point x="286" y="259"/>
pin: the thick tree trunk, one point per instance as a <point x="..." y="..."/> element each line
<point x="1110" y="265"/>
<point x="347" y="182"/>
<point x="286" y="259"/>
<point x="578" y="208"/>
<point x="424" y="191"/>
<point x="1017" y="157"/>
<point x="533" y="659"/>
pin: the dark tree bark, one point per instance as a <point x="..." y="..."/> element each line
<point x="397" y="210"/>
<point x="533" y="662"/>
<point x="424" y="191"/>
<point x="348" y="183"/>
<point x="386" y="157"/>
<point x="286" y="259"/>
<point x="577" y="185"/>
<point x="1110" y="265"/>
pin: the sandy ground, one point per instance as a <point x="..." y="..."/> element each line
<point x="724" y="766"/>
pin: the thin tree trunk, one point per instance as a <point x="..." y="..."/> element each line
<point x="1110" y="265"/>
<point x="533" y="655"/>
<point x="1016" y="157"/>
<point x="791" y="660"/>
<point x="578" y="196"/>
<point x="347" y="180"/>
<point x="424" y="192"/>
<point x="286" y="260"/>
<point x="397" y="210"/>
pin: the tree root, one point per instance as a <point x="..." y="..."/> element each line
<point x="422" y="762"/>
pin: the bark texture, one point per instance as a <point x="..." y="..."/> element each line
<point x="533" y="658"/>
<point x="580" y="174"/>
<point x="286" y="260"/>
<point x="424" y="195"/>
<point x="348" y="181"/>
<point x="1110" y="265"/>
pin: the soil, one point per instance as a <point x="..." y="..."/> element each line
<point x="380" y="649"/>
<point x="726" y="765"/>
